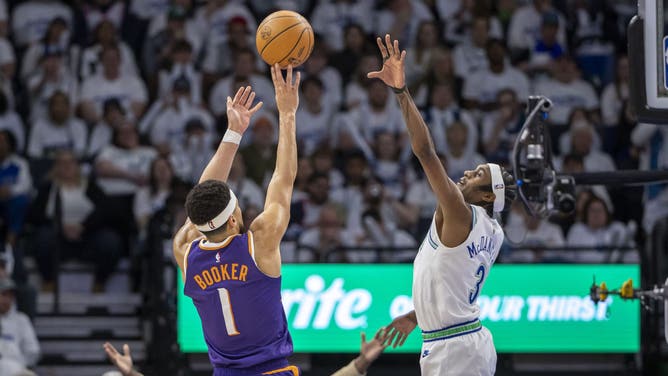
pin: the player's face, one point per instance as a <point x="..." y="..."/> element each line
<point x="472" y="181"/>
<point x="238" y="216"/>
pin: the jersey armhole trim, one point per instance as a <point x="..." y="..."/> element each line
<point x="185" y="258"/>
<point x="251" y="246"/>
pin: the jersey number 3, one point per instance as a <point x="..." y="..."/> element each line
<point x="228" y="316"/>
<point x="480" y="277"/>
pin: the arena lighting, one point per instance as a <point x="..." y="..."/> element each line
<point x="543" y="190"/>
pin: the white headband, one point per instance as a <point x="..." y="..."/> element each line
<point x="498" y="187"/>
<point x="221" y="218"/>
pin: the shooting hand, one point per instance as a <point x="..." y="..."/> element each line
<point x="392" y="73"/>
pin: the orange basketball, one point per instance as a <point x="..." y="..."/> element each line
<point x="284" y="37"/>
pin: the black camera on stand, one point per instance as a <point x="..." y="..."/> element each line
<point x="542" y="191"/>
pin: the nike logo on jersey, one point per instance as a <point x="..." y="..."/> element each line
<point x="425" y="353"/>
<point x="485" y="244"/>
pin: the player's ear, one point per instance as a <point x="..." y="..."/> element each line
<point x="488" y="196"/>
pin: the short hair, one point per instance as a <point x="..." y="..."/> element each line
<point x="594" y="199"/>
<point x="205" y="201"/>
<point x="510" y="191"/>
<point x="312" y="80"/>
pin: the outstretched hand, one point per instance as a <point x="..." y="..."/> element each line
<point x="399" y="330"/>
<point x="370" y="351"/>
<point x="392" y="73"/>
<point x="239" y="111"/>
<point x="122" y="362"/>
<point x="287" y="92"/>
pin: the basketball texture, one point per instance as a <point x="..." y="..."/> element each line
<point x="284" y="37"/>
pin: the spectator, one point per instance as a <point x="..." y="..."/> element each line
<point x="441" y="71"/>
<point x="323" y="162"/>
<point x="470" y="56"/>
<point x="350" y="195"/>
<point x="421" y="203"/>
<point x="99" y="11"/>
<point x="443" y="112"/>
<point x="56" y="38"/>
<point x="379" y="113"/>
<point x="243" y="75"/>
<point x="547" y="47"/>
<point x="459" y="159"/>
<point x="314" y="115"/>
<point x="501" y="127"/>
<point x="317" y="66"/>
<point x="616" y="94"/>
<point x="194" y="152"/>
<point x="151" y="198"/>
<point x="15" y="187"/>
<point x="356" y="87"/>
<point x="304" y="171"/>
<point x="578" y="118"/>
<point x="3" y="19"/>
<point x="106" y="34"/>
<point x="7" y="68"/>
<point x="248" y="193"/>
<point x="395" y="244"/>
<point x="60" y="130"/>
<point x="10" y="121"/>
<point x="481" y="89"/>
<point x="597" y="229"/>
<point x="260" y="155"/>
<point x="532" y="235"/>
<point x="418" y="58"/>
<point x="333" y="20"/>
<point x="304" y="213"/>
<point x="122" y="168"/>
<point x="401" y="19"/>
<point x="582" y="144"/>
<point x="524" y="29"/>
<point x="113" y="116"/>
<point x="30" y="19"/>
<point x="20" y="348"/>
<point x="567" y="91"/>
<point x="328" y="233"/>
<point x="652" y="140"/>
<point x="175" y="111"/>
<point x="70" y="212"/>
<point x="212" y="19"/>
<point x="112" y="83"/>
<point x="181" y="66"/>
<point x="348" y="59"/>
<point x="458" y="27"/>
<point x="52" y="75"/>
<point x="164" y="30"/>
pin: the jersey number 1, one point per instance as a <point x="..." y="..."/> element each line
<point x="480" y="276"/>
<point x="228" y="316"/>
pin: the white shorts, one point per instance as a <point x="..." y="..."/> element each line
<point x="469" y="354"/>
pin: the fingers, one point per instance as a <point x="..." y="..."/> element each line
<point x="238" y="95"/>
<point x="390" y="336"/>
<point x="274" y="74"/>
<point x="398" y="340"/>
<point x="383" y="50"/>
<point x="403" y="339"/>
<point x="250" y="99"/>
<point x="373" y="74"/>
<point x="403" y="56"/>
<point x="244" y="95"/>
<point x="388" y="43"/>
<point x="396" y="47"/>
<point x="363" y="335"/>
<point x="288" y="76"/>
<point x="126" y="349"/>
<point x="297" y="80"/>
<point x="256" y="108"/>
<point x="110" y="349"/>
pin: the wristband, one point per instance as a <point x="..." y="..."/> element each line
<point x="232" y="137"/>
<point x="398" y="90"/>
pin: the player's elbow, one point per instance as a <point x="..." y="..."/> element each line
<point x="425" y="151"/>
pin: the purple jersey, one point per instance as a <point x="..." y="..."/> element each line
<point x="240" y="307"/>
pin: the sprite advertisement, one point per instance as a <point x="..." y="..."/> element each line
<point x="530" y="308"/>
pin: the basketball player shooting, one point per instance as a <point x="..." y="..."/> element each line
<point x="232" y="274"/>
<point x="458" y="251"/>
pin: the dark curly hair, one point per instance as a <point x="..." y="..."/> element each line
<point x="205" y="201"/>
<point x="510" y="192"/>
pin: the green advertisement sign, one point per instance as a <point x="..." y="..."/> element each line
<point x="528" y="308"/>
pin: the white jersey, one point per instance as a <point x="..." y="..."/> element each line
<point x="447" y="281"/>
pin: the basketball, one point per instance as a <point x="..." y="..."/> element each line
<point x="284" y="37"/>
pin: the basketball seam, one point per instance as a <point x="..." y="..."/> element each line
<point x="274" y="18"/>
<point x="294" y="46"/>
<point x="277" y="35"/>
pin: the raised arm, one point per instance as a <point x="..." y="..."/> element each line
<point x="269" y="227"/>
<point x="239" y="113"/>
<point x="453" y="208"/>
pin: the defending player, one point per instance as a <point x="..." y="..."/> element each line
<point x="233" y="275"/>
<point x="458" y="251"/>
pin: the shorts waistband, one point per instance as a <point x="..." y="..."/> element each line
<point x="251" y="371"/>
<point x="452" y="331"/>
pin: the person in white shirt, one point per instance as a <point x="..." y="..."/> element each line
<point x="314" y="116"/>
<point x="306" y="211"/>
<point x="330" y="18"/>
<point x="56" y="37"/>
<point x="582" y="144"/>
<point x="213" y="18"/>
<point x="181" y="65"/>
<point x="51" y="75"/>
<point x="10" y="121"/>
<point x="30" y="19"/>
<point x="457" y="28"/>
<point x="248" y="193"/>
<point x="15" y="188"/>
<point x="18" y="343"/>
<point x="112" y="83"/>
<point x="317" y="66"/>
<point x="177" y="22"/>
<point x="441" y="71"/>
<point x="105" y="34"/>
<point x="355" y="92"/>
<point x="578" y="118"/>
<point x="443" y="112"/>
<point x="470" y="56"/>
<point x="243" y="75"/>
<point x="418" y="59"/>
<point x="597" y="229"/>
<point x="60" y="130"/>
<point x="567" y="91"/>
<point x="652" y="141"/>
<point x="7" y="68"/>
<point x="500" y="128"/>
<point x="481" y="88"/>
<point x="459" y="160"/>
<point x="190" y="157"/>
<point x="616" y="94"/>
<point x="531" y="235"/>
<point x="326" y="235"/>
<point x="113" y="115"/>
<point x="524" y="29"/>
<point x="379" y="113"/>
<point x="401" y="18"/>
<point x="395" y="244"/>
<point x="152" y="197"/>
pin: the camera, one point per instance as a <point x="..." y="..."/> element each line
<point x="561" y="194"/>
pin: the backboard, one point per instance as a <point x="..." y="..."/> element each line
<point x="648" y="57"/>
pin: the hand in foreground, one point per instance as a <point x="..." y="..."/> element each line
<point x="370" y="351"/>
<point x="392" y="73"/>
<point x="122" y="362"/>
<point x="287" y="92"/>
<point x="239" y="111"/>
<point x="399" y="330"/>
